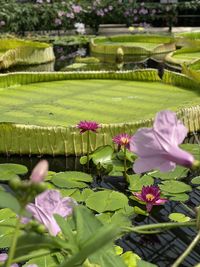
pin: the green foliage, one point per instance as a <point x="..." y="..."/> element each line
<point x="178" y="173"/>
<point x="71" y="179"/>
<point x="179" y="217"/>
<point x="9" y="201"/>
<point x="106" y="200"/>
<point x="175" y="187"/>
<point x="137" y="181"/>
<point x="9" y="171"/>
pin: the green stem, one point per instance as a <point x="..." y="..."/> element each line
<point x="27" y="257"/>
<point x="125" y="174"/>
<point x="198" y="217"/>
<point x="187" y="251"/>
<point x="14" y="241"/>
<point x="149" y="227"/>
<point x="88" y="149"/>
<point x="188" y="208"/>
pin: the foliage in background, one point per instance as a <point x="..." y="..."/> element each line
<point x="41" y="15"/>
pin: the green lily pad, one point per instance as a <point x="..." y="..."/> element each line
<point x="71" y="179"/>
<point x="196" y="180"/>
<point x="175" y="187"/>
<point x="178" y="197"/>
<point x="179" y="217"/>
<point x="177" y="173"/>
<point x="9" y="171"/>
<point x="106" y="200"/>
<point x="137" y="182"/>
<point x="102" y="154"/>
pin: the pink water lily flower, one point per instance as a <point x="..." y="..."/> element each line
<point x="39" y="172"/>
<point x="151" y="196"/>
<point x="4" y="257"/>
<point x="157" y="147"/>
<point x="88" y="126"/>
<point x="122" y="139"/>
<point x="49" y="203"/>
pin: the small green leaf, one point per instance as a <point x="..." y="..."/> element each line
<point x="177" y="173"/>
<point x="196" y="180"/>
<point x="137" y="182"/>
<point x="16" y="168"/>
<point x="102" y="154"/>
<point x="175" y="187"/>
<point x="83" y="160"/>
<point x="178" y="197"/>
<point x="106" y="200"/>
<point x="71" y="179"/>
<point x="179" y="217"/>
<point x="130" y="258"/>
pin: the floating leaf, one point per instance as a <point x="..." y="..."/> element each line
<point x="175" y="187"/>
<point x="75" y="193"/>
<point x="196" y="180"/>
<point x="106" y="200"/>
<point x="137" y="182"/>
<point x="178" y="197"/>
<point x="102" y="154"/>
<point x="130" y="258"/>
<point x="16" y="168"/>
<point x="177" y="173"/>
<point x="71" y="179"/>
<point x="179" y="217"/>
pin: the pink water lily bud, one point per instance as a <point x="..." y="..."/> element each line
<point x="157" y="147"/>
<point x="39" y="172"/>
<point x="47" y="204"/>
<point x="151" y="196"/>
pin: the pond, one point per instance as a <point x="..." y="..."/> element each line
<point x="161" y="249"/>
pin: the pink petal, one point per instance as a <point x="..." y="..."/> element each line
<point x="180" y="157"/>
<point x="144" y="143"/>
<point x="147" y="164"/>
<point x="169" y="128"/>
<point x="167" y="166"/>
<point x="160" y="201"/>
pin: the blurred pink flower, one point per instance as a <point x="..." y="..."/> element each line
<point x="3" y="258"/>
<point x="88" y="126"/>
<point x="151" y="196"/>
<point x="122" y="139"/>
<point x="157" y="147"/>
<point x="76" y="8"/>
<point x="49" y="203"/>
<point x="39" y="172"/>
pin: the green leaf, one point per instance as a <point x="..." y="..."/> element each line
<point x="44" y="261"/>
<point x="31" y="242"/>
<point x="16" y="168"/>
<point x="194" y="149"/>
<point x="106" y="200"/>
<point x="196" y="180"/>
<point x="102" y="154"/>
<point x="71" y="179"/>
<point x="177" y="173"/>
<point x="178" y="197"/>
<point x="83" y="160"/>
<point x="130" y="258"/>
<point x="179" y="217"/>
<point x="75" y="193"/>
<point x="137" y="182"/>
<point x="141" y="263"/>
<point x="9" y="201"/>
<point x="175" y="187"/>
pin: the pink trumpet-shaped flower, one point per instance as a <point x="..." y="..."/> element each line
<point x="88" y="126"/>
<point x="49" y="203"/>
<point x="39" y="172"/>
<point x="122" y="139"/>
<point x="157" y="147"/>
<point x="151" y="196"/>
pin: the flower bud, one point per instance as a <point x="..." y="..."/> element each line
<point x="15" y="183"/>
<point x="39" y="172"/>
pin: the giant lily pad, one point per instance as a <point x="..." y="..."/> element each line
<point x="21" y="52"/>
<point x="39" y="111"/>
<point x="133" y="44"/>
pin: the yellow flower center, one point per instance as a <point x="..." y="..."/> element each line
<point x="150" y="197"/>
<point x="124" y="140"/>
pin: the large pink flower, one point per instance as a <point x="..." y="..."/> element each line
<point x="49" y="203"/>
<point x="157" y="147"/>
<point x="151" y="196"/>
<point x="88" y="126"/>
